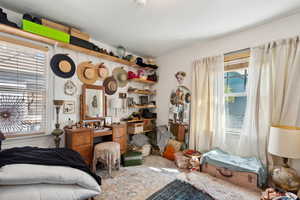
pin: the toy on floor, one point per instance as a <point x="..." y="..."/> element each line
<point x="276" y="194"/>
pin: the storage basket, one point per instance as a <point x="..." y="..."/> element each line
<point x="136" y="128"/>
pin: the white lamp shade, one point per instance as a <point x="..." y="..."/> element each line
<point x="284" y="141"/>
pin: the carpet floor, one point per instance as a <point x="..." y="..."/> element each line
<point x="140" y="182"/>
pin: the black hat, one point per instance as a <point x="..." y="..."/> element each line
<point x="62" y="65"/>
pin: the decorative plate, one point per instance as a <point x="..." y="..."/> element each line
<point x="70" y="88"/>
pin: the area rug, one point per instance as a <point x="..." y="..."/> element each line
<point x="140" y="182"/>
<point x="179" y="190"/>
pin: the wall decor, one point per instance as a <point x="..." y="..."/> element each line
<point x="108" y="121"/>
<point x="110" y="85"/>
<point x="102" y="71"/>
<point x="121" y="76"/>
<point x="93" y="102"/>
<point x="87" y="73"/>
<point x="70" y="88"/>
<point x="69" y="107"/>
<point x="180" y="77"/>
<point x="62" y="65"/>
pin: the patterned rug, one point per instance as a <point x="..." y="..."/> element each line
<point x="140" y="182"/>
<point x="179" y="190"/>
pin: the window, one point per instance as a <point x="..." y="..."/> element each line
<point x="235" y="82"/>
<point x="23" y="93"/>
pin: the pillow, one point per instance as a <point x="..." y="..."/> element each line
<point x="176" y="144"/>
<point x="169" y="152"/>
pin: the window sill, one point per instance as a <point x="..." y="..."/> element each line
<point x="9" y="139"/>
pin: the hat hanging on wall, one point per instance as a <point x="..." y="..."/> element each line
<point x="121" y="76"/>
<point x="86" y="72"/>
<point x="102" y="71"/>
<point x="110" y="85"/>
<point x="62" y="66"/>
<point x="187" y="98"/>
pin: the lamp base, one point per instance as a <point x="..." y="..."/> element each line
<point x="286" y="178"/>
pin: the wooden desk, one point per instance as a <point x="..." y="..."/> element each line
<point x="82" y="139"/>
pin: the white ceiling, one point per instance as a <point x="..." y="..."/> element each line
<point x="162" y="25"/>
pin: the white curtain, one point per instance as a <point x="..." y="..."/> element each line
<point x="207" y="111"/>
<point x="273" y="94"/>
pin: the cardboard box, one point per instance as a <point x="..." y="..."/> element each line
<point x="55" y="25"/>
<point x="77" y="33"/>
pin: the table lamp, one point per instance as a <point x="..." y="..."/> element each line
<point x="284" y="141"/>
<point x="57" y="132"/>
<point x="2" y="137"/>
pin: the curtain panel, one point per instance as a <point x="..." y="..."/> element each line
<point x="207" y="111"/>
<point x="273" y="94"/>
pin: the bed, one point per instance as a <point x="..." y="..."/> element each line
<point x="46" y="174"/>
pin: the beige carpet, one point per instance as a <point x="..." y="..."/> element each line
<point x="138" y="183"/>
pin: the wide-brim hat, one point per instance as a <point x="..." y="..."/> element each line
<point x="110" y="85"/>
<point x="102" y="71"/>
<point x="62" y="66"/>
<point x="121" y="76"/>
<point x="87" y="73"/>
<point x="187" y="98"/>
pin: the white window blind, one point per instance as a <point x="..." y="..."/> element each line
<point x="23" y="83"/>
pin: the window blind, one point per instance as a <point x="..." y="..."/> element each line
<point x="23" y="83"/>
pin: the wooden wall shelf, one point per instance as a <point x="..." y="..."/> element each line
<point x="143" y="81"/>
<point x="140" y="120"/>
<point x="142" y="92"/>
<point x="42" y="39"/>
<point x="140" y="107"/>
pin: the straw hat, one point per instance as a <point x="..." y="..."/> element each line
<point x="102" y="71"/>
<point x="121" y="76"/>
<point x="86" y="72"/>
<point x="110" y="85"/>
<point x="62" y="66"/>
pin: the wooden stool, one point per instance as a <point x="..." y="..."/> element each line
<point x="107" y="153"/>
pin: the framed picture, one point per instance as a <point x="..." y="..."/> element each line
<point x="108" y="121"/>
<point x="69" y="107"/>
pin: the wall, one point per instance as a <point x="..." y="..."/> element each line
<point x="182" y="59"/>
<point x="56" y="87"/>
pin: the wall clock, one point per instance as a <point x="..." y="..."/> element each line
<point x="70" y="88"/>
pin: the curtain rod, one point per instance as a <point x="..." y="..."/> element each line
<point x="235" y="55"/>
<point x="237" y="51"/>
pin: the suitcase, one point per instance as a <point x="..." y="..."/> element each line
<point x="244" y="179"/>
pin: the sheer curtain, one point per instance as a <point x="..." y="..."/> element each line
<point x="207" y="115"/>
<point x="273" y="94"/>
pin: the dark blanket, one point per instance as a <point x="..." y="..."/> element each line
<point x="43" y="156"/>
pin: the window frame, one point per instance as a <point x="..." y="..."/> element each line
<point x="18" y="45"/>
<point x="236" y="59"/>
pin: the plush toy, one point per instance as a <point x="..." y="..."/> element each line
<point x="194" y="163"/>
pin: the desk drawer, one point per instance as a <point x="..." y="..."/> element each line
<point x="119" y="131"/>
<point x="85" y="152"/>
<point x="83" y="138"/>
